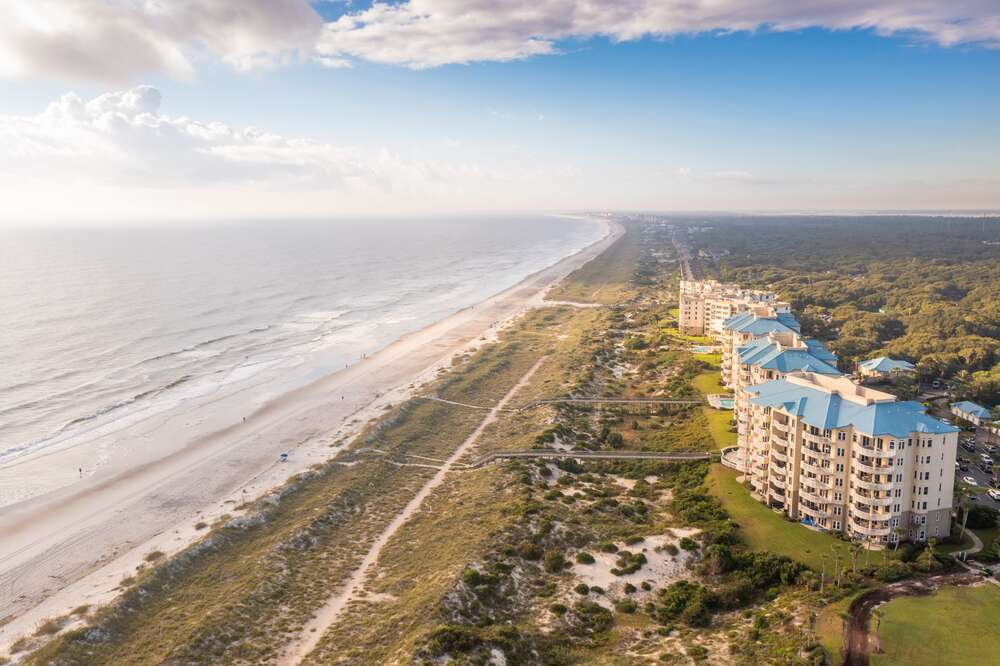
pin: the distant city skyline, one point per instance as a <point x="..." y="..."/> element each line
<point x="232" y="109"/>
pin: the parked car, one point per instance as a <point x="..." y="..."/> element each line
<point x="964" y="460"/>
<point x="970" y="480"/>
<point x="969" y="446"/>
<point x="994" y="494"/>
<point x="962" y="467"/>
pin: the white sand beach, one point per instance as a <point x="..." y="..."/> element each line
<point x="73" y="546"/>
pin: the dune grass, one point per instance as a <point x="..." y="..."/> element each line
<point x="709" y="382"/>
<point x="606" y="278"/>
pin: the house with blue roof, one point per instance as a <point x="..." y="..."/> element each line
<point x="971" y="412"/>
<point x="883" y="366"/>
<point x="848" y="459"/>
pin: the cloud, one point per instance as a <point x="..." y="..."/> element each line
<point x="118" y="148"/>
<point x="121" y="40"/>
<point x="429" y="33"/>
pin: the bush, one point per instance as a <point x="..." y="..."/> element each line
<point x="558" y="609"/>
<point x="529" y="551"/>
<point x="687" y="543"/>
<point x="982" y="517"/>
<point x="629" y="588"/>
<point x="554" y="561"/>
<point x="626" y="606"/>
<point x="582" y="589"/>
<point x="583" y="557"/>
<point x="892" y="571"/>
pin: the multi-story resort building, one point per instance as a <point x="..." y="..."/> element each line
<point x="706" y="304"/>
<point x="774" y="356"/>
<point x="744" y="328"/>
<point x="819" y="447"/>
<point x="849" y="459"/>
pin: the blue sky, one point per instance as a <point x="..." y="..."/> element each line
<point x="809" y="118"/>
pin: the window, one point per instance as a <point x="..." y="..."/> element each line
<point x="839" y="483"/>
<point x="894" y="522"/>
<point x="925" y="508"/>
<point x="838" y="497"/>
<point x="922" y="536"/>
<point x="892" y="444"/>
<point x="896" y="508"/>
<point x="841" y="436"/>
<point x="840" y="467"/>
<point x="837" y="510"/>
<point x="840" y="452"/>
<point x="836" y="524"/>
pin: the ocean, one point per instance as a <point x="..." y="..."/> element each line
<point x="101" y="327"/>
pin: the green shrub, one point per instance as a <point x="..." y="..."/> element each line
<point x="582" y="589"/>
<point x="583" y="557"/>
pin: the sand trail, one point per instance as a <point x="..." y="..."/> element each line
<point x="331" y="610"/>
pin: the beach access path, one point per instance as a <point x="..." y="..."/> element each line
<point x="73" y="546"/>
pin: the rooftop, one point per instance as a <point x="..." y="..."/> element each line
<point x="787" y="353"/>
<point x="968" y="407"/>
<point x="836" y="402"/>
<point x="886" y="364"/>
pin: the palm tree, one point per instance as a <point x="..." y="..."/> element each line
<point x="930" y="551"/>
<point x="878" y="623"/>
<point x="855" y="551"/>
<point x="900" y="532"/>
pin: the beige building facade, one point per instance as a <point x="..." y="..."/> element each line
<point x="706" y="304"/>
<point x="848" y="459"/>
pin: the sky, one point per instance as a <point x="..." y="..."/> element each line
<point x="134" y="110"/>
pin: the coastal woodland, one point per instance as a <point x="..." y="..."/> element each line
<point x="923" y="289"/>
<point x="559" y="561"/>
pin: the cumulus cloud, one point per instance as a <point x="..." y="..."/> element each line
<point x="119" y="40"/>
<point x="430" y="33"/>
<point x="122" y="39"/>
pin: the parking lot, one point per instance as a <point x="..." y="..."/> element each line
<point x="983" y="479"/>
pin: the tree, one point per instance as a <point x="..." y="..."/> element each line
<point x="929" y="552"/>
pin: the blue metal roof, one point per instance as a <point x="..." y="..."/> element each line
<point x="971" y="408"/>
<point x="828" y="411"/>
<point x="747" y="322"/>
<point x="764" y="353"/>
<point x="886" y="364"/>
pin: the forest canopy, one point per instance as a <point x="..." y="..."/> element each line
<point x="922" y="289"/>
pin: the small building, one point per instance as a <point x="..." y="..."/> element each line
<point x="883" y="366"/>
<point x="971" y="412"/>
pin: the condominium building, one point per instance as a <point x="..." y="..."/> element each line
<point x="848" y="459"/>
<point x="746" y="327"/>
<point x="774" y="356"/>
<point x="706" y="304"/>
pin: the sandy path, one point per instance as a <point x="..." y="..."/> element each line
<point x="73" y="546"/>
<point x="330" y="611"/>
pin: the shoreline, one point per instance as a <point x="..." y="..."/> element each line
<point x="74" y="545"/>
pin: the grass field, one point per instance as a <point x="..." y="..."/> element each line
<point x="956" y="625"/>
<point x="718" y="426"/>
<point x="764" y="529"/>
<point x="709" y="382"/>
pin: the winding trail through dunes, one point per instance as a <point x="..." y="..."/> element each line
<point x="331" y="610"/>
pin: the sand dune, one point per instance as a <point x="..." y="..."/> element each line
<point x="73" y="546"/>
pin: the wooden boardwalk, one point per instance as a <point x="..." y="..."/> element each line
<point x="550" y="454"/>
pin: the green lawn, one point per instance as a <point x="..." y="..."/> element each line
<point x="712" y="359"/>
<point x="763" y="529"/>
<point x="956" y="625"/>
<point x="718" y="426"/>
<point x="709" y="382"/>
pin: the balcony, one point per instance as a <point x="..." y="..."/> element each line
<point x="869" y="484"/>
<point x="875" y="451"/>
<point x="805" y="493"/>
<point x="815" y="468"/>
<point x="776" y="481"/>
<point x="813" y="511"/>
<point x="778" y="455"/>
<point x="876" y="530"/>
<point x="779" y="427"/>
<point x="858" y="466"/>
<point x="869" y="499"/>
<point x="819" y="440"/>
